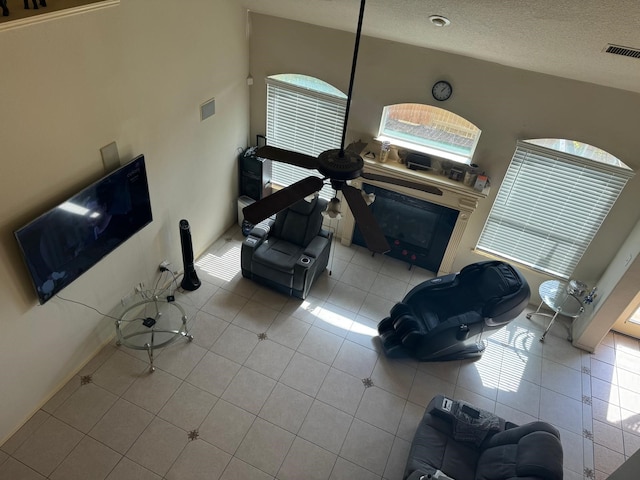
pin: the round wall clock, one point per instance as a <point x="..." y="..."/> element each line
<point x="441" y="90"/>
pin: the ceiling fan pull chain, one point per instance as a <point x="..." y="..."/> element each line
<point x="353" y="76"/>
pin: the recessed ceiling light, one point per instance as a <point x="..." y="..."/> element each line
<point x="440" y="21"/>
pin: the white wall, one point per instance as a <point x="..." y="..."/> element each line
<point x="506" y="103"/>
<point x="617" y="288"/>
<point x="136" y="74"/>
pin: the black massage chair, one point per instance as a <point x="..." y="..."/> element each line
<point x="443" y="318"/>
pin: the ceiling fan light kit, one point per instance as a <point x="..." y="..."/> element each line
<point x="338" y="166"/>
<point x="369" y="198"/>
<point x="333" y="209"/>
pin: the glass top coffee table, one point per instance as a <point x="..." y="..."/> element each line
<point x="151" y="324"/>
<point x="556" y="295"/>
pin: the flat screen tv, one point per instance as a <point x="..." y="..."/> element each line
<point x="68" y="240"/>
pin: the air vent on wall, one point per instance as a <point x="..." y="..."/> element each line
<point x="207" y="109"/>
<point x="624" y="51"/>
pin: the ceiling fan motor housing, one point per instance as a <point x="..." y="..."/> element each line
<point x="339" y="164"/>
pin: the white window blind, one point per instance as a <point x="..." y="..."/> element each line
<point x="304" y="121"/>
<point x="549" y="207"/>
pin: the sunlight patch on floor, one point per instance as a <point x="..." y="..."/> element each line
<point x="224" y="267"/>
<point x="517" y="342"/>
<point x="488" y="368"/>
<point x="363" y="329"/>
<point x="626" y="362"/>
<point x="330" y="317"/>
<point x="512" y="370"/>
<point x="515" y="336"/>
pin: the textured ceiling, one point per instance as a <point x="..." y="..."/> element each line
<point x="565" y="38"/>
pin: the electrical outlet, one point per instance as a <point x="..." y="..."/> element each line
<point x="139" y="288"/>
<point x="164" y="265"/>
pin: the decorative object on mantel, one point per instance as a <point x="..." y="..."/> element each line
<point x="482" y="182"/>
<point x="456" y="174"/>
<point x="471" y="175"/>
<point x="418" y="161"/>
<point x="384" y="151"/>
<point x="393" y="155"/>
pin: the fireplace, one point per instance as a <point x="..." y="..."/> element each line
<point x="417" y="231"/>
<point x="453" y="207"/>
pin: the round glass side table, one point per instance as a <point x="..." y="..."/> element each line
<point x="151" y="324"/>
<point x="556" y="295"/>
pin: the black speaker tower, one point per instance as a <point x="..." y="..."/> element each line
<point x="190" y="281"/>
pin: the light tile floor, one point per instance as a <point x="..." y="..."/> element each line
<point x="275" y="387"/>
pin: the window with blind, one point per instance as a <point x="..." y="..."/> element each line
<point x="306" y="115"/>
<point x="552" y="201"/>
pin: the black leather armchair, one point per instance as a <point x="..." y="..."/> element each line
<point x="443" y="318"/>
<point x="290" y="252"/>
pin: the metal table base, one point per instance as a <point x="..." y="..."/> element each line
<point x="151" y="331"/>
<point x="556" y="296"/>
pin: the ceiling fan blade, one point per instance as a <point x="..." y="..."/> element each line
<point x="274" y="203"/>
<point x="402" y="183"/>
<point x="287" y="156"/>
<point x="367" y="223"/>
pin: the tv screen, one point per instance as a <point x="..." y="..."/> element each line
<point x="68" y="240"/>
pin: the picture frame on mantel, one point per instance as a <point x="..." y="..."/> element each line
<point x="20" y="17"/>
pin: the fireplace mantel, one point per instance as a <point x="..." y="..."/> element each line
<point x="455" y="195"/>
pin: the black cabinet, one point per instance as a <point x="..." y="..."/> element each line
<point x="254" y="174"/>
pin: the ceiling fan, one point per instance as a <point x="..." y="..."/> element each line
<point x="336" y="165"/>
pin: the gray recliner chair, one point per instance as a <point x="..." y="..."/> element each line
<point x="290" y="252"/>
<point x="466" y="443"/>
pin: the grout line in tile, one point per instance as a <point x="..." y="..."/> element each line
<point x="588" y="445"/>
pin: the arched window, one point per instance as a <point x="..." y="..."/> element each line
<point x="430" y="130"/>
<point x="306" y="115"/>
<point x="554" y="197"/>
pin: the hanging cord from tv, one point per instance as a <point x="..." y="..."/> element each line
<point x="90" y="307"/>
<point x="145" y="294"/>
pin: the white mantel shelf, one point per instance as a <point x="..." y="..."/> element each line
<point x="455" y="195"/>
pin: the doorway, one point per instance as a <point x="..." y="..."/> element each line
<point x="628" y="322"/>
